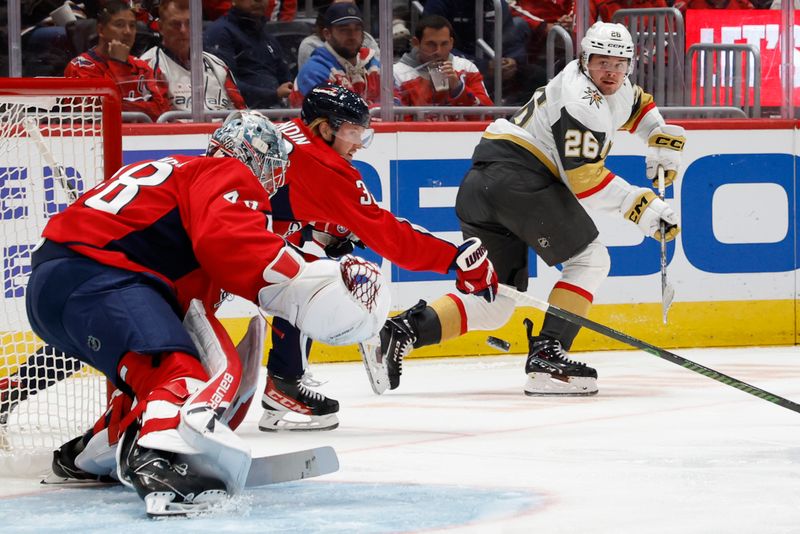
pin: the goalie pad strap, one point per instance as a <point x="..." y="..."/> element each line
<point x="155" y="425"/>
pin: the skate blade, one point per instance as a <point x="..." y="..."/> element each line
<point x="280" y="421"/>
<point x="160" y="503"/>
<point x="377" y="372"/>
<point x="55" y="480"/>
<point x="543" y="385"/>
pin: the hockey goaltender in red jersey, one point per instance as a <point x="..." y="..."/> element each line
<point x="127" y="279"/>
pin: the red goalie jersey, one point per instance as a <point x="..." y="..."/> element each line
<point x="322" y="186"/>
<point x="196" y="223"/>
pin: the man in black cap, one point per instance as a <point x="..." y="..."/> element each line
<point x="342" y="59"/>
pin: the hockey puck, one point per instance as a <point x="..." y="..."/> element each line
<point x="498" y="343"/>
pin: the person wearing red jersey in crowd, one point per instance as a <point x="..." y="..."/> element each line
<point x="683" y="5"/>
<point x="171" y="58"/>
<point x="117" y="272"/>
<point x="141" y="88"/>
<point x="323" y="186"/>
<point x="541" y="16"/>
<point x="281" y="10"/>
<point x="604" y="9"/>
<point x="342" y="59"/>
<point x="459" y="83"/>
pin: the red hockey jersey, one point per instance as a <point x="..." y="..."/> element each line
<point x="141" y="89"/>
<point x="322" y="186"/>
<point x="197" y="223"/>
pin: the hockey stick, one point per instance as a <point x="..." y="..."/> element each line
<point x="32" y="128"/>
<point x="528" y="300"/>
<point x="667" y="292"/>
<point x="290" y="466"/>
<point x="264" y="470"/>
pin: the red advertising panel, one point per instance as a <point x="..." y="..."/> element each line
<point x="757" y="27"/>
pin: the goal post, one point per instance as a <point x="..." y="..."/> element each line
<point x="58" y="138"/>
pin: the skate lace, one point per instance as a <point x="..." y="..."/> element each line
<point x="402" y="351"/>
<point x="181" y="469"/>
<point x="309" y="380"/>
<point x="304" y="391"/>
<point x="553" y="350"/>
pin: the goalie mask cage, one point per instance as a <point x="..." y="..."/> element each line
<point x="58" y="138"/>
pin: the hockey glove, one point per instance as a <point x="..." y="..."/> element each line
<point x="647" y="210"/>
<point x="664" y="150"/>
<point x="474" y="271"/>
<point x="336" y="241"/>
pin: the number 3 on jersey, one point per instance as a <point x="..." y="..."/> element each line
<point x="580" y="144"/>
<point x="119" y="192"/>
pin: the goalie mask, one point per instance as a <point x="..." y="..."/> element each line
<point x="607" y="39"/>
<point x="252" y="139"/>
<point x="337" y="105"/>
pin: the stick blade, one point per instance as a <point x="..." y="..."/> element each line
<point x="292" y="466"/>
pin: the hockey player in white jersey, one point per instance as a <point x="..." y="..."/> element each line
<point x="531" y="179"/>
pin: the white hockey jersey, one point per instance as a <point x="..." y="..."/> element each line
<point x="220" y="88"/>
<point x="567" y="128"/>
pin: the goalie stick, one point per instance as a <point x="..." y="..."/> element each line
<point x="31" y="126"/>
<point x="264" y="470"/>
<point x="528" y="300"/>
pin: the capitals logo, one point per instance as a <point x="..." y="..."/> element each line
<point x="593" y="96"/>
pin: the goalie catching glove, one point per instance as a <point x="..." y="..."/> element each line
<point x="665" y="145"/>
<point x="335" y="302"/>
<point x="647" y="210"/>
<point x="474" y="271"/>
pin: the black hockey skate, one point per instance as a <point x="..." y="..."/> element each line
<point x="384" y="362"/>
<point x="550" y="372"/>
<point x="167" y="487"/>
<point x="66" y="472"/>
<point x="290" y="405"/>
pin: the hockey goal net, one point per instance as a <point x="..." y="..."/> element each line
<point x="58" y="138"/>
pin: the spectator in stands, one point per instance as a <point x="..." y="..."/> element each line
<point x="541" y="16"/>
<point x="171" y="58"/>
<point x="683" y="5"/>
<point x="518" y="75"/>
<point x="605" y="9"/>
<point x="141" y="88"/>
<point x="240" y="39"/>
<point x="315" y="40"/>
<point x="282" y="10"/>
<point x="341" y="59"/>
<point x="214" y="9"/>
<point x="432" y="45"/>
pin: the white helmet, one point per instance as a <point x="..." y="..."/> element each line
<point x="607" y="39"/>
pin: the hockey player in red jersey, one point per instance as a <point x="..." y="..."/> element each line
<point x="119" y="269"/>
<point x="323" y="186"/>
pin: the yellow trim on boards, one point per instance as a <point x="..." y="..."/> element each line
<point x="691" y="324"/>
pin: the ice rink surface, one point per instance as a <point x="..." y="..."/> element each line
<point x="459" y="448"/>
